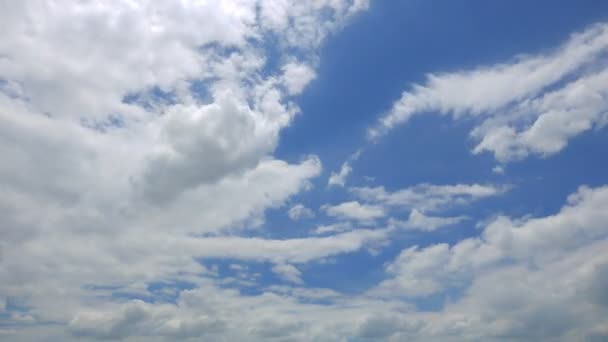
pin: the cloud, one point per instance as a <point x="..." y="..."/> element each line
<point x="194" y="155"/>
<point x="428" y="197"/>
<point x="422" y="222"/>
<point x="514" y="282"/>
<point x="376" y="328"/>
<point x="339" y="179"/>
<point x="144" y="143"/>
<point x="498" y="169"/>
<point x="137" y="140"/>
<point x="298" y="250"/>
<point x="354" y="211"/>
<point x="299" y="211"/>
<point x="333" y="228"/>
<point x="531" y="241"/>
<point x="215" y="313"/>
<point x="531" y="105"/>
<point x="562" y="115"/>
<point x="515" y="279"/>
<point x="297" y="76"/>
<point x="114" y="327"/>
<point x="288" y="272"/>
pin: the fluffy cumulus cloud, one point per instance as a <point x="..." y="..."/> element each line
<point x="530" y="105"/>
<point x="139" y="173"/>
<point x="339" y="178"/>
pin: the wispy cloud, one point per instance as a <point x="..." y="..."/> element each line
<point x="530" y="105"/>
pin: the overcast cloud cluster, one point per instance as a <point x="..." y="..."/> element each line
<point x="137" y="142"/>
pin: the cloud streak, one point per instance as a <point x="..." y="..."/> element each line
<point x="531" y="105"/>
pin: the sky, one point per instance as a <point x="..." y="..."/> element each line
<point x="319" y="170"/>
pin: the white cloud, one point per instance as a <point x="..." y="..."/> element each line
<point x="515" y="281"/>
<point x="422" y="222"/>
<point x="561" y="115"/>
<point x="333" y="228"/>
<point x="69" y="78"/>
<point x="129" y="131"/>
<point x="299" y="211"/>
<point x="531" y="105"/>
<point x="305" y="23"/>
<point x="117" y="174"/>
<point x="354" y="211"/>
<point x="339" y="178"/>
<point x="535" y="242"/>
<point x="306" y="293"/>
<point x="298" y="250"/>
<point x="194" y="155"/>
<point x="428" y="197"/>
<point x="498" y="169"/>
<point x="288" y="272"/>
<point x="213" y="313"/>
<point x="297" y="76"/>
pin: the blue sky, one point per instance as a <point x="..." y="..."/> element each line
<point x="283" y="170"/>
<point x="394" y="44"/>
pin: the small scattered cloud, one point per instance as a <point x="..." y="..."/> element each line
<point x="419" y="221"/>
<point x="288" y="272"/>
<point x="339" y="179"/>
<point x="428" y="197"/>
<point x="498" y="169"/>
<point x="333" y="228"/>
<point x="354" y="211"/>
<point x="300" y="212"/>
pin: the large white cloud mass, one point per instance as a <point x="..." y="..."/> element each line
<point x="132" y="129"/>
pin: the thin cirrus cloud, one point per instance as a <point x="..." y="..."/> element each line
<point x="428" y="197"/>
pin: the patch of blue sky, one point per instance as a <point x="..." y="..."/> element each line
<point x="366" y="68"/>
<point x="110" y="122"/>
<point x="200" y="89"/>
<point x="395" y="44"/>
<point x="151" y="98"/>
<point x="14" y="307"/>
